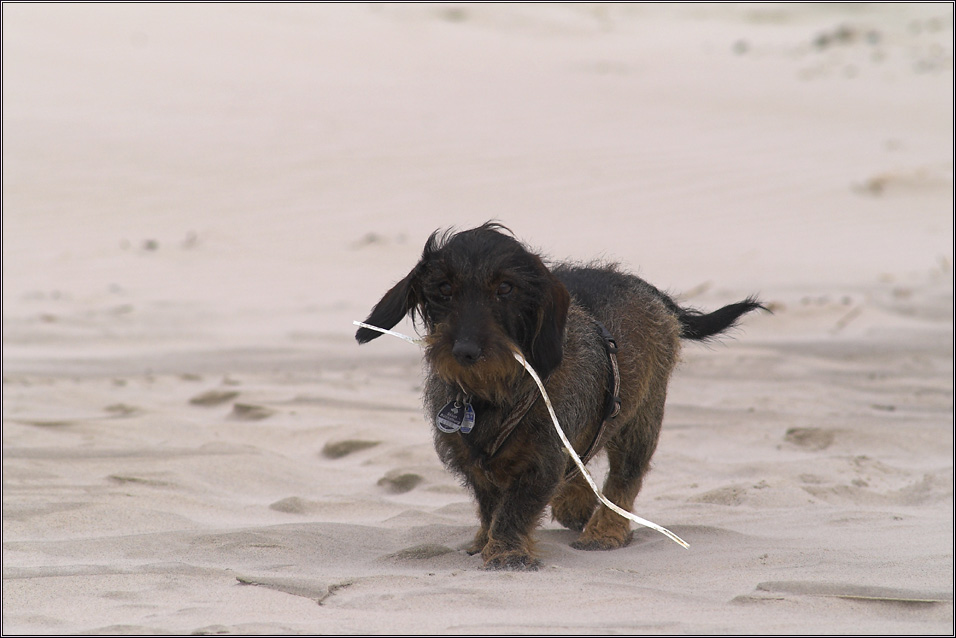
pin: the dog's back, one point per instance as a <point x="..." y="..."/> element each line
<point x="600" y="288"/>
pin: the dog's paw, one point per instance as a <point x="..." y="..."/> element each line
<point x="513" y="561"/>
<point x="604" y="543"/>
<point x="573" y="506"/>
<point x="572" y="520"/>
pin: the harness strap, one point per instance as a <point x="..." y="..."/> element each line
<point x="613" y="405"/>
<point x="509" y="424"/>
<point x="507" y="428"/>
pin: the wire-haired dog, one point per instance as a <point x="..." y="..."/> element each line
<point x="605" y="343"/>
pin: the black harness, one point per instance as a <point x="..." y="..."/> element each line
<point x="612" y="407"/>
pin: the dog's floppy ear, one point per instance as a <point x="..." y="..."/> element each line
<point x="404" y="297"/>
<point x="396" y="303"/>
<point x="547" y="349"/>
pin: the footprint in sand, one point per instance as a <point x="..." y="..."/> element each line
<point x="121" y="409"/>
<point x="730" y="495"/>
<point x="420" y="552"/>
<point x="309" y="588"/>
<point x="213" y="398"/>
<point x="338" y="449"/>
<point x="852" y="591"/>
<point x="125" y="479"/>
<point x="249" y="412"/>
<point x="293" y="505"/>
<point x="810" y="438"/>
<point x="54" y="417"/>
<point x="399" y="483"/>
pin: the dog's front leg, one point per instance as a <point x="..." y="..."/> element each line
<point x="488" y="497"/>
<point x="519" y="509"/>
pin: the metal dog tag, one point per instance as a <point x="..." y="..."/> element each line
<point x="469" y="421"/>
<point x="451" y="416"/>
<point x="457" y="415"/>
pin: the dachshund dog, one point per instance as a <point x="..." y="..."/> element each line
<point x="603" y="341"/>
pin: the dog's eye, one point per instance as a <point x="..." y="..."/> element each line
<point x="445" y="289"/>
<point x="504" y="289"/>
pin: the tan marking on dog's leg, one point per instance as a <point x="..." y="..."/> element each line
<point x="629" y="455"/>
<point x="608" y="529"/>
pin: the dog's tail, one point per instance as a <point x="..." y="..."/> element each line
<point x="700" y="327"/>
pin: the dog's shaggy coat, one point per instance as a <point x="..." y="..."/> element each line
<point x="480" y="295"/>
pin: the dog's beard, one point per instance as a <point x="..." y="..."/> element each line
<point x="494" y="377"/>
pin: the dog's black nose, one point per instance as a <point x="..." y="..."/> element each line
<point x="466" y="352"/>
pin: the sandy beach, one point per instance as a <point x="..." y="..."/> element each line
<point x="198" y="200"/>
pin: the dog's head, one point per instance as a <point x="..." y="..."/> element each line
<point x="479" y="294"/>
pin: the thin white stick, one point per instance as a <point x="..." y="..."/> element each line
<point x="416" y="342"/>
<point x="564" y="439"/>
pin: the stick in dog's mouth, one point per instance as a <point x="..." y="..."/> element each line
<point x="564" y="439"/>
